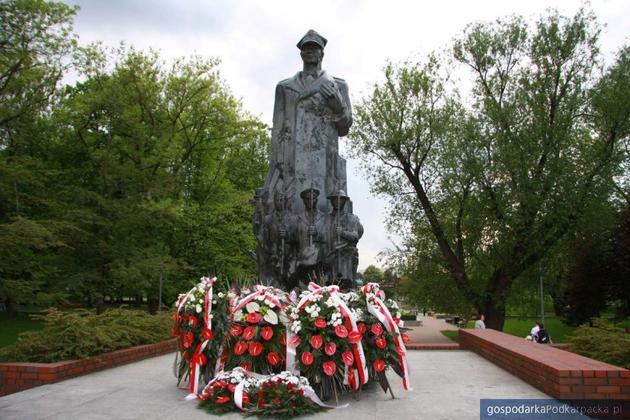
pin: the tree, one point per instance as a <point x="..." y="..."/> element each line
<point x="372" y="274"/>
<point x="36" y="48"/>
<point x="492" y="187"/>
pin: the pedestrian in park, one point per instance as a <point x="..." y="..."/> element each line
<point x="479" y="323"/>
<point x="533" y="335"/>
<point x="542" y="335"/>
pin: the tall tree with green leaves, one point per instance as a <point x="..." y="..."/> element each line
<point x="492" y="184"/>
<point x="36" y="47"/>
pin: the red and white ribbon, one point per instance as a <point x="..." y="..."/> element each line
<point x="267" y="292"/>
<point x="375" y="306"/>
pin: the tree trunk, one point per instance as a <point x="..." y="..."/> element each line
<point x="495" y="315"/>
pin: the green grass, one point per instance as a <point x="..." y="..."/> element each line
<point x="11" y="327"/>
<point x="452" y="334"/>
<point x="521" y="327"/>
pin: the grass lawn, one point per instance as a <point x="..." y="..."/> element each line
<point x="452" y="334"/>
<point x="11" y="327"/>
<point x="521" y="327"/>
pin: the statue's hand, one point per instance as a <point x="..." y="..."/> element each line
<point x="333" y="96"/>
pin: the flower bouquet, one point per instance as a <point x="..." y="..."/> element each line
<point x="382" y="341"/>
<point x="324" y="343"/>
<point x="228" y="391"/>
<point x="257" y="338"/>
<point x="199" y="344"/>
<point x="284" y="395"/>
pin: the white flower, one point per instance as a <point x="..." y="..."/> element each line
<point x="198" y="308"/>
<point x="192" y="298"/>
<point x="221" y="295"/>
<point x="214" y="302"/>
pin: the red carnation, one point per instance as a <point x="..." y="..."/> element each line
<point x="320" y="323"/>
<point x="329" y="368"/>
<point x="188" y="339"/>
<point x="405" y="338"/>
<point x="240" y="348"/>
<point x="381" y="343"/>
<point x="294" y="341"/>
<point x="254" y="318"/>
<point x="354" y="337"/>
<point x="255" y="348"/>
<point x="341" y="331"/>
<point x="266" y="333"/>
<point x="283" y="340"/>
<point x="236" y="330"/>
<point x="261" y="403"/>
<point x="273" y="358"/>
<point x="307" y="358"/>
<point x="316" y="341"/>
<point x="192" y="320"/>
<point x="361" y="327"/>
<point x="200" y="359"/>
<point x="377" y="329"/>
<point x="222" y="399"/>
<point x="207" y="334"/>
<point x="245" y="398"/>
<point x="249" y="332"/>
<point x="379" y="365"/>
<point x="231" y="388"/>
<point x="276" y="401"/>
<point x="247" y="366"/>
<point x="330" y="348"/>
<point x="347" y="358"/>
<point x="300" y="392"/>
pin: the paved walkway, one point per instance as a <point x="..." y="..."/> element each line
<point x="429" y="332"/>
<point x="447" y="385"/>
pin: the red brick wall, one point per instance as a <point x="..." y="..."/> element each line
<point x="16" y="377"/>
<point x="558" y="373"/>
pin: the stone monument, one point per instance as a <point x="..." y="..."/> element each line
<point x="301" y="230"/>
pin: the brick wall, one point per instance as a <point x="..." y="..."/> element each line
<point x="16" y="377"/>
<point x="558" y="373"/>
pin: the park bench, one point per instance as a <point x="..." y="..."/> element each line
<point x="558" y="373"/>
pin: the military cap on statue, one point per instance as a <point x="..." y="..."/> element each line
<point x="338" y="194"/>
<point x="306" y="192"/>
<point x="312" y="36"/>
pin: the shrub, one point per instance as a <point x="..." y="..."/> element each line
<point x="408" y="317"/>
<point x="81" y="333"/>
<point x="603" y="341"/>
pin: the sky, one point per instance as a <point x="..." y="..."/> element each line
<point x="255" y="41"/>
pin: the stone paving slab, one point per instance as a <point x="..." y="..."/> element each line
<point x="447" y="385"/>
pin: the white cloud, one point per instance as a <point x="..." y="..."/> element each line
<point x="256" y="43"/>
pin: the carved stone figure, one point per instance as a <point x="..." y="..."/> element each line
<point x="344" y="231"/>
<point x="311" y="236"/>
<point x="311" y="111"/>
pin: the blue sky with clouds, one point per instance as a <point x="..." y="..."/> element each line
<point x="255" y="41"/>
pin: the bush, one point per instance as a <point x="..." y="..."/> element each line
<point x="603" y="341"/>
<point x="408" y="317"/>
<point x="82" y="333"/>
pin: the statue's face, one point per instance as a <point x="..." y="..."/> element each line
<point x="338" y="203"/>
<point x="311" y="53"/>
<point x="310" y="200"/>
